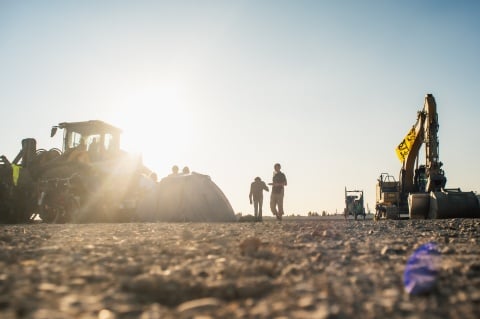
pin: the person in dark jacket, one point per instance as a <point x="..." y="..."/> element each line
<point x="279" y="181"/>
<point x="256" y="196"/>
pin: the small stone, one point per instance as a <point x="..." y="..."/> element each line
<point x="199" y="304"/>
<point x="447" y="250"/>
<point x="106" y="314"/>
<point x="249" y="246"/>
<point x="306" y="302"/>
<point x="385" y="250"/>
<point x="327" y="233"/>
<point x="187" y="235"/>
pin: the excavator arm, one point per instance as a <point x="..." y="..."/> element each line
<point x="426" y="132"/>
<point x="407" y="173"/>
<point x="436" y="179"/>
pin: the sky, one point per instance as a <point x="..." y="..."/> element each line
<point x="327" y="89"/>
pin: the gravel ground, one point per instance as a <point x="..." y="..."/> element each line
<point x="309" y="268"/>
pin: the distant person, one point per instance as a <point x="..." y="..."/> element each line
<point x="153" y="176"/>
<point x="94" y="149"/>
<point x="94" y="146"/>
<point x="82" y="145"/>
<point x="256" y="197"/>
<point x="186" y="170"/>
<point x="78" y="153"/>
<point x="279" y="181"/>
<point x="174" y="171"/>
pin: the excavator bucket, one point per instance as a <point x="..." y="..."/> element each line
<point x="443" y="205"/>
<point x="453" y="204"/>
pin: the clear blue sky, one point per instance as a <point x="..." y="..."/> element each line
<point x="326" y="88"/>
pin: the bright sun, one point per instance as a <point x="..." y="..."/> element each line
<point x="157" y="124"/>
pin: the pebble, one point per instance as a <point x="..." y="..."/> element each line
<point x="199" y="304"/>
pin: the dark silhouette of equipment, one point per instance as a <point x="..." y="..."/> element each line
<point x="420" y="191"/>
<point x="90" y="180"/>
<point x="354" y="204"/>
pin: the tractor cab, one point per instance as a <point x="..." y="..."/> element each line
<point x="96" y="137"/>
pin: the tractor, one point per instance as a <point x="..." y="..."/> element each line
<point x="89" y="180"/>
<point x="354" y="205"/>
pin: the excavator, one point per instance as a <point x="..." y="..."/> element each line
<point x="89" y="180"/>
<point x="420" y="191"/>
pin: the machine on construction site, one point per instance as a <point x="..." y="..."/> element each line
<point x="354" y="205"/>
<point x="90" y="180"/>
<point x="420" y="191"/>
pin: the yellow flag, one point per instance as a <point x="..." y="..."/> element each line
<point x="405" y="145"/>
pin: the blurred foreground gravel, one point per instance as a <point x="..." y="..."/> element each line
<point x="309" y="268"/>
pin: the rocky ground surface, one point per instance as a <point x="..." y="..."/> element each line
<point x="310" y="268"/>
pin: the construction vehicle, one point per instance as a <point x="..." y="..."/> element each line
<point x="420" y="191"/>
<point x="354" y="205"/>
<point x="90" y="180"/>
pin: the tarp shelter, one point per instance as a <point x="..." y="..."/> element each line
<point x="186" y="198"/>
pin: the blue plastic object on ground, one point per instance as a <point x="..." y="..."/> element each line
<point x="421" y="271"/>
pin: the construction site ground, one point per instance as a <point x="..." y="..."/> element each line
<point x="297" y="268"/>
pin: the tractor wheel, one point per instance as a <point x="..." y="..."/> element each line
<point x="68" y="211"/>
<point x="52" y="212"/>
<point x="47" y="214"/>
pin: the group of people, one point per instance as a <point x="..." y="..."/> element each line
<point x="279" y="181"/>
<point x="185" y="171"/>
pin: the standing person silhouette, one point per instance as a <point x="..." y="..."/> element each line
<point x="174" y="171"/>
<point x="279" y="181"/>
<point x="256" y="194"/>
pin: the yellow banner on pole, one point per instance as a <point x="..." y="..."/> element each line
<point x="405" y="145"/>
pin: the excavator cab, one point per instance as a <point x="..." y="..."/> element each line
<point x="420" y="180"/>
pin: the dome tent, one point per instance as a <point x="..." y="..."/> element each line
<point x="186" y="198"/>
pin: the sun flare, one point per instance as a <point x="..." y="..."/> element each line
<point x="156" y="123"/>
